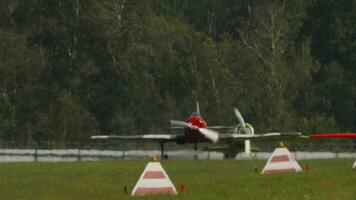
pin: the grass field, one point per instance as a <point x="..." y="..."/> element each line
<point x="203" y="179"/>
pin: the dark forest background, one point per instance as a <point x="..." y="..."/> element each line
<point x="74" y="68"/>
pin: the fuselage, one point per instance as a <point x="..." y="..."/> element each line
<point x="194" y="134"/>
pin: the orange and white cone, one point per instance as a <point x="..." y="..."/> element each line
<point x="154" y="180"/>
<point x="280" y="161"/>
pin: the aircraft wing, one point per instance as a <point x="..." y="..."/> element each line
<point x="147" y="137"/>
<point x="221" y="127"/>
<point x="211" y="127"/>
<point x="332" y="135"/>
<point x="262" y="137"/>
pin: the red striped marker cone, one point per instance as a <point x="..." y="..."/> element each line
<point x="281" y="161"/>
<point x="154" y="180"/>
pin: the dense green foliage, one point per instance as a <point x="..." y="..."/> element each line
<point x="203" y="179"/>
<point x="74" y="68"/>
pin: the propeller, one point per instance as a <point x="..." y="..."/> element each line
<point x="212" y="135"/>
<point x="247" y="128"/>
<point x="240" y="118"/>
<point x="198" y="109"/>
<point x="182" y="124"/>
<point x="208" y="133"/>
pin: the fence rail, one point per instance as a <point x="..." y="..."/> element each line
<point x="49" y="151"/>
<point x="317" y="145"/>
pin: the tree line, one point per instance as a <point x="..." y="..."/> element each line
<point x="74" y="68"/>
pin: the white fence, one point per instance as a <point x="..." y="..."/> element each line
<point x="71" y="155"/>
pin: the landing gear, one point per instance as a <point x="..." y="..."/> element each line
<point x="227" y="151"/>
<point x="162" y="151"/>
<point x="195" y="157"/>
<point x="232" y="151"/>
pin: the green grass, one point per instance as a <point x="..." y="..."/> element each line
<point x="203" y="179"/>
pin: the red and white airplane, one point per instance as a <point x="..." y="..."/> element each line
<point x="196" y="131"/>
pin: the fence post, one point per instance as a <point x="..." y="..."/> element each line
<point x="35" y="155"/>
<point x="78" y="155"/>
<point x="208" y="153"/>
<point x="123" y="155"/>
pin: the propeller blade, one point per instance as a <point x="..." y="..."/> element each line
<point x="198" y="109"/>
<point x="210" y="134"/>
<point x="240" y="118"/>
<point x="181" y="124"/>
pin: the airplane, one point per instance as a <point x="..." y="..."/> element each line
<point x="195" y="130"/>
